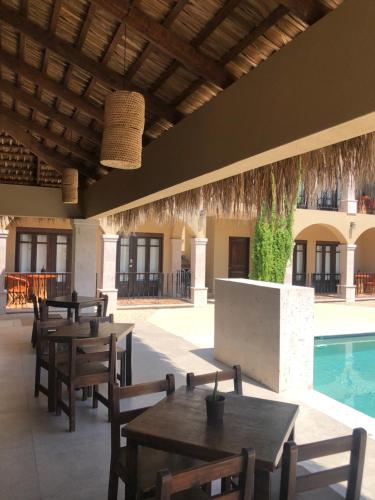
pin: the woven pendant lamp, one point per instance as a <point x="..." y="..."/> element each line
<point x="124" y="121"/>
<point x="70" y="186"/>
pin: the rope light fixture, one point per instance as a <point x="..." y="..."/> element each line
<point x="124" y="121"/>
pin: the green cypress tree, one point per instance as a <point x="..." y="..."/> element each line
<point x="273" y="242"/>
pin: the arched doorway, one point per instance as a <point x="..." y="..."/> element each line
<point x="316" y="258"/>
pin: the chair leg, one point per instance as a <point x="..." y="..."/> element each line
<point x="37" y="378"/>
<point x="122" y="375"/>
<point x="72" y="409"/>
<point x="109" y="401"/>
<point x="58" y="393"/>
<point x="291" y="436"/>
<point x="33" y="335"/>
<point x="113" y="485"/>
<point x="94" y="400"/>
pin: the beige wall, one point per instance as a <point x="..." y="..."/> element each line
<point x="364" y="260"/>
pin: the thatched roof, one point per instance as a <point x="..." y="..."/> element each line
<point x="60" y="58"/>
<point x="18" y="165"/>
<point x="272" y="186"/>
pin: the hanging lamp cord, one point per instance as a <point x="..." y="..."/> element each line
<point x="125" y="38"/>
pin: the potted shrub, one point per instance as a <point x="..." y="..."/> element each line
<point x="215" y="405"/>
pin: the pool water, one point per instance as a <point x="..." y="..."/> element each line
<point x="344" y="369"/>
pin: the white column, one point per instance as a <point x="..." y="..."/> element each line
<point x="176" y="244"/>
<point x="3" y="254"/>
<point x="198" y="271"/>
<point x="109" y="256"/>
<point x="348" y="201"/>
<point x="346" y="288"/>
<point x="85" y="256"/>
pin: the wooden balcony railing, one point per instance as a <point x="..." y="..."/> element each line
<point x="154" y="285"/>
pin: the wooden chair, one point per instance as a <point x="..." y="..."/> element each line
<point x="121" y="352"/>
<point x="105" y="303"/>
<point x="18" y="289"/>
<point x="101" y="310"/>
<point x="292" y="485"/>
<point x="40" y="312"/>
<point x="42" y="357"/>
<point x="86" y="369"/>
<point x="188" y="484"/>
<point x="150" y="461"/>
<point x="234" y="374"/>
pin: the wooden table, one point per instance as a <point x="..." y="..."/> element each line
<point x="66" y="302"/>
<point x="82" y="331"/>
<point x="178" y="424"/>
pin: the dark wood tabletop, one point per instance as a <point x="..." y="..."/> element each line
<point x="82" y="330"/>
<point x="67" y="301"/>
<point x="178" y="423"/>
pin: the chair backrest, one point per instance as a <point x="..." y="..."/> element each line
<point x="105" y="303"/>
<point x="43" y="310"/>
<point x="99" y="319"/>
<point x="242" y="465"/>
<point x="77" y="355"/>
<point x="292" y="485"/>
<point x="120" y="418"/>
<point x="234" y="374"/>
<point x="34" y="300"/>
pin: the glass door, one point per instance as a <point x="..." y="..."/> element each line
<point x="299" y="263"/>
<point x="139" y="265"/>
<point x="327" y="267"/>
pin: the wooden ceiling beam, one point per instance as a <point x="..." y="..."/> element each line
<point x="167" y="23"/>
<point x="250" y="38"/>
<point x="169" y="42"/>
<point x="55" y="88"/>
<point x="69" y="53"/>
<point x="79" y="43"/>
<point x="48" y="135"/>
<point x="259" y="30"/>
<point x="52" y="27"/>
<point x="308" y="11"/>
<point x="51" y="113"/>
<point x="205" y="32"/>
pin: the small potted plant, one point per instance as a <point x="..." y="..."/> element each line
<point x="215" y="405"/>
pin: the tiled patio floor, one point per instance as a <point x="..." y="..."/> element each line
<point x="39" y="459"/>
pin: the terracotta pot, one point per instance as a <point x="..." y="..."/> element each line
<point x="215" y="410"/>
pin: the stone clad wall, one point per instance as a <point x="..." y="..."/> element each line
<point x="267" y="328"/>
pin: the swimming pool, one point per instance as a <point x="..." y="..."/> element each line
<point x="344" y="369"/>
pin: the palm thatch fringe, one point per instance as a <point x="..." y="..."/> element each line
<point x="5" y="221"/>
<point x="246" y="193"/>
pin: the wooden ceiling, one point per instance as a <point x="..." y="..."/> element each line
<point x="60" y="58"/>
